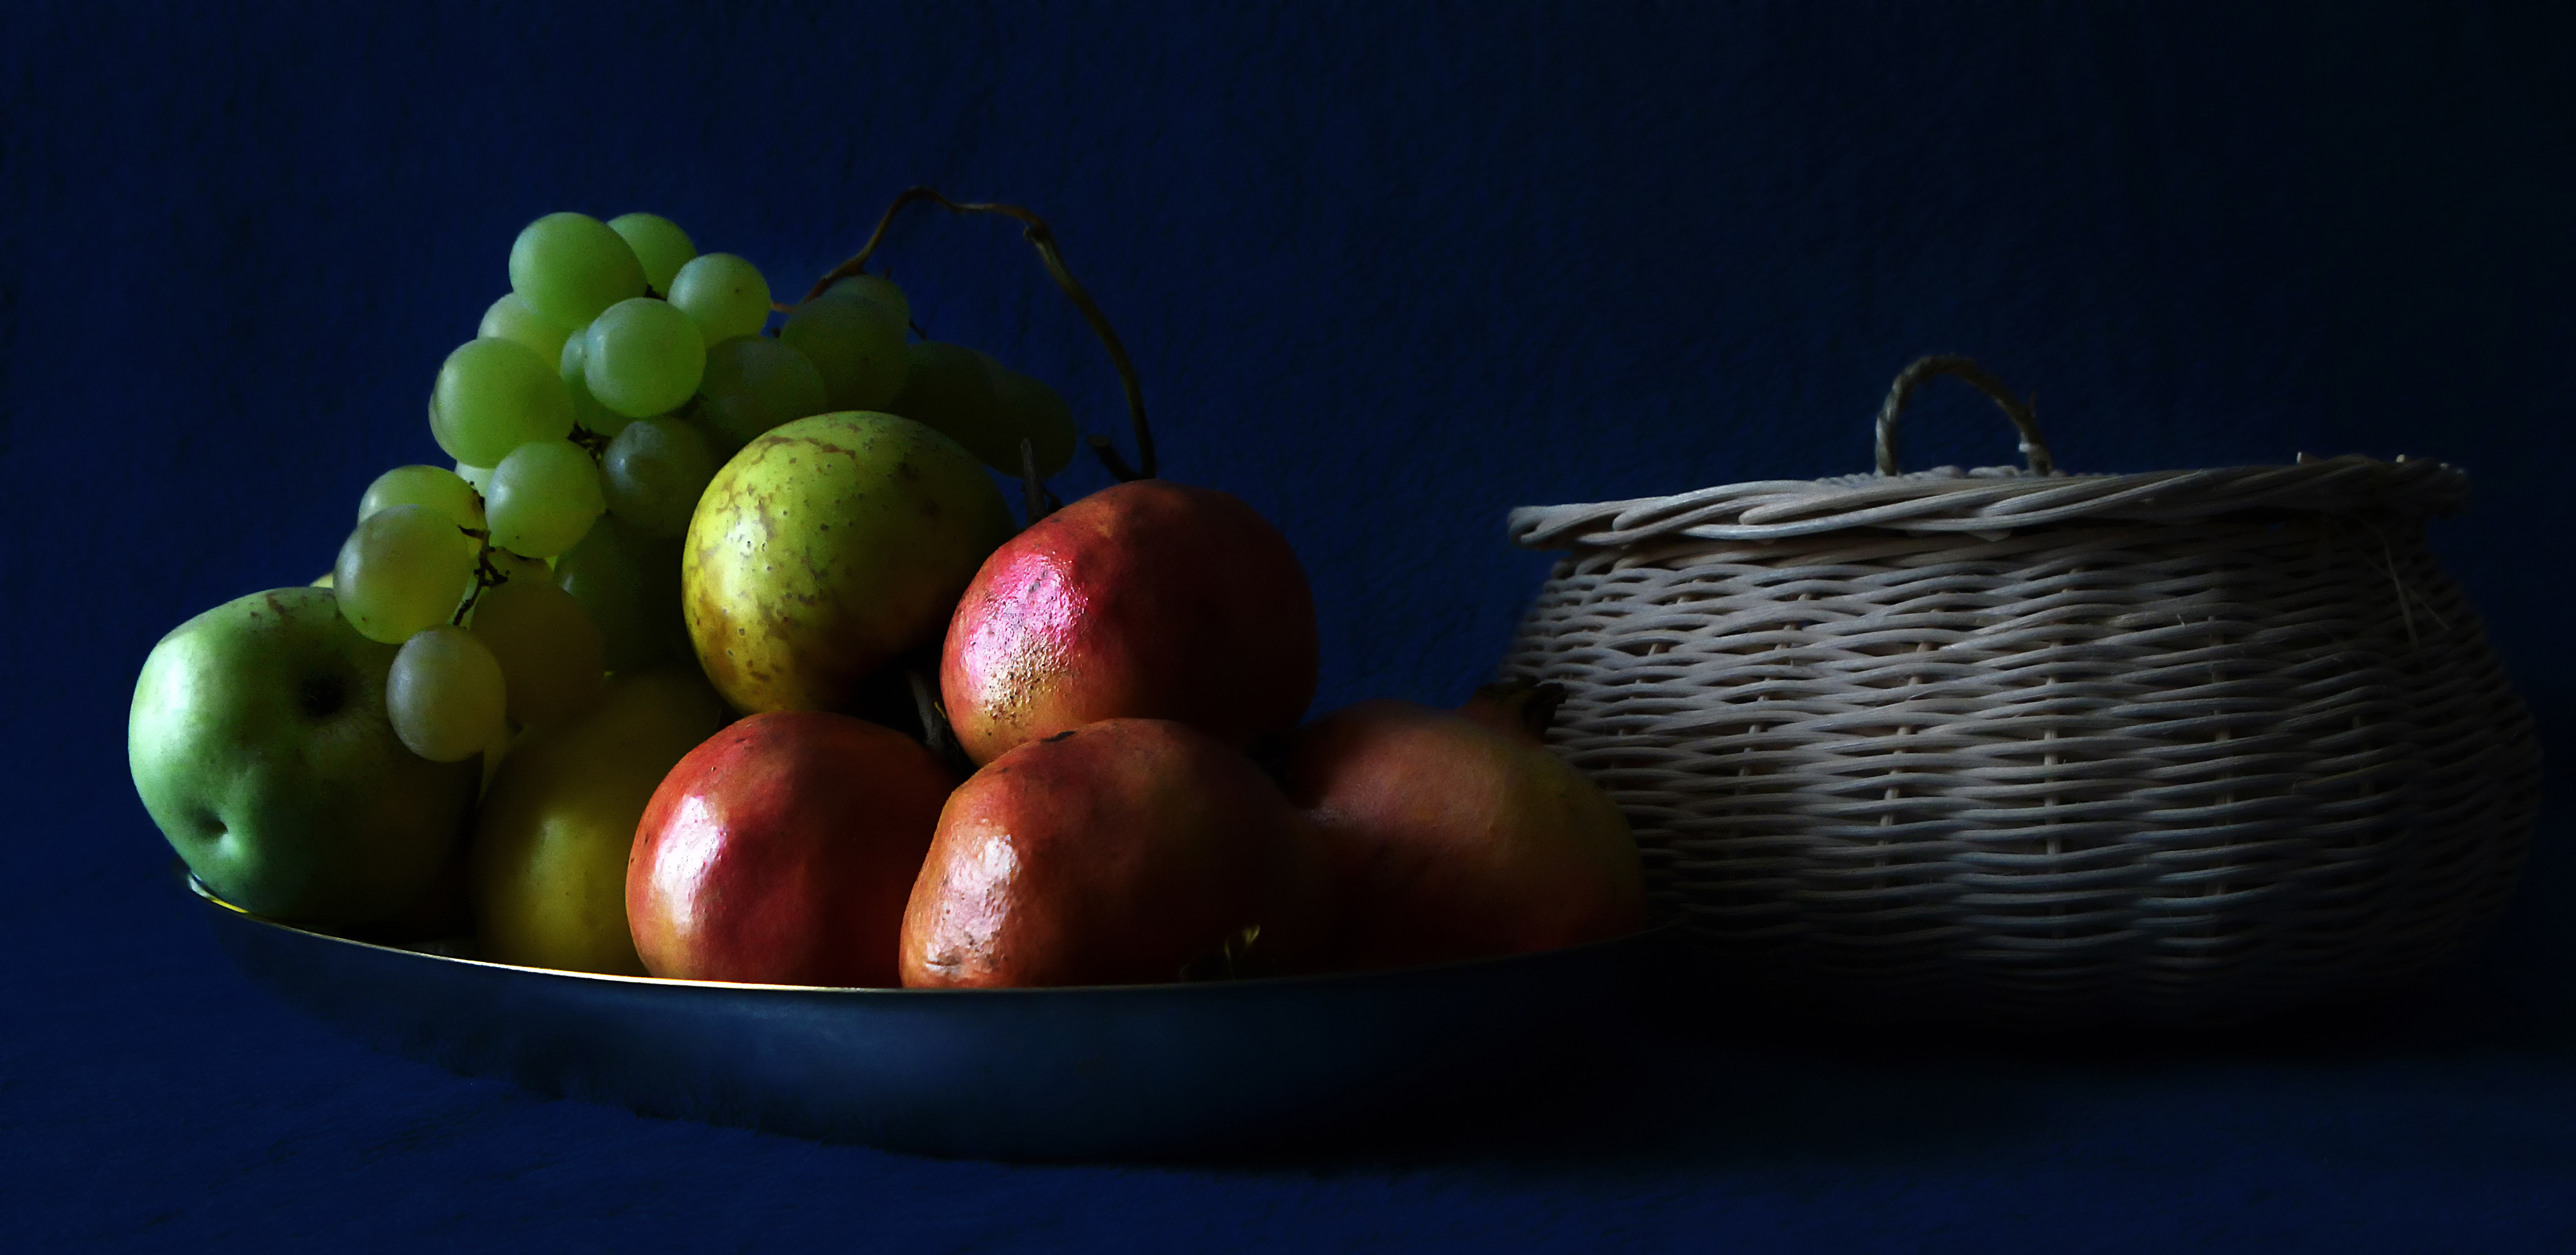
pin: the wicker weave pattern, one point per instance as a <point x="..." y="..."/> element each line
<point x="2169" y="748"/>
<point x="1990" y="499"/>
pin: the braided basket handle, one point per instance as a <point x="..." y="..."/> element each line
<point x="1921" y="372"/>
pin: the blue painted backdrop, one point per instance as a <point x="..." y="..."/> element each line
<point x="1387" y="272"/>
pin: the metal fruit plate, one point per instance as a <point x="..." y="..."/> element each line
<point x="1136" y="1071"/>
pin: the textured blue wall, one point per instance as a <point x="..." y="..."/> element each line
<point x="1388" y="271"/>
<point x="1386" y="276"/>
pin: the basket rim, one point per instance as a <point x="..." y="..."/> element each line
<point x="1992" y="501"/>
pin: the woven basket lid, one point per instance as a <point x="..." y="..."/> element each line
<point x="1993" y="500"/>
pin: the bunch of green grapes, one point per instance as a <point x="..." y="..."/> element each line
<point x="585" y="418"/>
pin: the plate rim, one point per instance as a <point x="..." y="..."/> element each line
<point x="1651" y="932"/>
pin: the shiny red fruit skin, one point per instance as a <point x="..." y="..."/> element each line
<point x="1146" y="600"/>
<point x="1114" y="854"/>
<point x="782" y="851"/>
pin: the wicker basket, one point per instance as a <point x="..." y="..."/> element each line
<point x="2024" y="747"/>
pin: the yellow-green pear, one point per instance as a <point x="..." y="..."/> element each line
<point x="828" y="547"/>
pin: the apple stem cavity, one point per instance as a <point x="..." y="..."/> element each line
<point x="1042" y="237"/>
<point x="322" y="696"/>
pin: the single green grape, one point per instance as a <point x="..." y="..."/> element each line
<point x="878" y="289"/>
<point x="855" y="346"/>
<point x="645" y="357"/>
<point x="547" y="647"/>
<point x="947" y="389"/>
<point x="543" y="497"/>
<point x="510" y="566"/>
<point x="574" y="369"/>
<point x="445" y="695"/>
<point x="754" y="383"/>
<point x="400" y="571"/>
<point x="512" y="318"/>
<point x="661" y="247"/>
<point x="1038" y="412"/>
<point x="630" y="584"/>
<point x="570" y="266"/>
<point x="725" y="295"/>
<point x="438" y="488"/>
<point x="493" y="396"/>
<point x="654" y="473"/>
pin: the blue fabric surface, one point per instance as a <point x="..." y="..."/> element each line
<point x="1386" y="275"/>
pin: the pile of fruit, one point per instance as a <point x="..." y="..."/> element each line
<point x="719" y="655"/>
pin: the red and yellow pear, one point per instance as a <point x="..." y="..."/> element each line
<point x="783" y="851"/>
<point x="1147" y="600"/>
<point x="1122" y="852"/>
<point x="1458" y="835"/>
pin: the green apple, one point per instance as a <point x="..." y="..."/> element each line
<point x="260" y="745"/>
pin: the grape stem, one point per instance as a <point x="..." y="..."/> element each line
<point x="486" y="575"/>
<point x="1039" y="234"/>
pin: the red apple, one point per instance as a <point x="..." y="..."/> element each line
<point x="1123" y="852"/>
<point x="1147" y="600"/>
<point x="782" y="851"/>
<point x="1459" y="835"/>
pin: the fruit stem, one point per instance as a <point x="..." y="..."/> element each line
<point x="1039" y="234"/>
<point x="486" y="575"/>
<point x="1234" y="958"/>
<point x="1522" y="702"/>
<point x="1033" y="487"/>
<point x="936" y="735"/>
